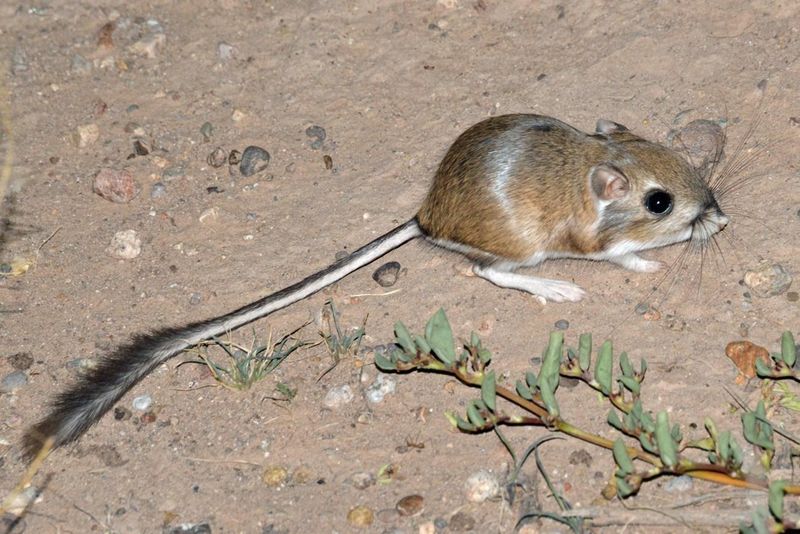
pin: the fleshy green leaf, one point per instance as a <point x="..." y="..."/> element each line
<point x="623" y="488"/>
<point x="463" y="425"/>
<point x="613" y="420"/>
<point x="724" y="446"/>
<point x="631" y="384"/>
<point x="489" y="390"/>
<point x="602" y="370"/>
<point x="585" y="351"/>
<point x="530" y="378"/>
<point x="788" y="349"/>
<point x="422" y="344"/>
<point x="474" y="414"/>
<point x="625" y="364"/>
<point x="403" y="337"/>
<point x="667" y="449"/>
<point x="551" y="363"/>
<point x="439" y="336"/>
<point x="547" y="391"/>
<point x="383" y="363"/>
<point x="776" y="499"/>
<point x="711" y="428"/>
<point x="763" y="369"/>
<point x="524" y="391"/>
<point x="622" y="457"/>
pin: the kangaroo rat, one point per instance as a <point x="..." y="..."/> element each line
<point x="512" y="191"/>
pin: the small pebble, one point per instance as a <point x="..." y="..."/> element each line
<point x="21" y="361"/>
<point x="254" y="160"/>
<point x="410" y="505"/>
<point x="383" y="385"/>
<point x="188" y="528"/>
<point x="80" y="65"/>
<point x="131" y="108"/>
<point x="116" y="186"/>
<point x="141" y="148"/>
<point x="173" y="172"/>
<point x="13" y="381"/>
<point x="328" y="161"/>
<point x="462" y="522"/>
<point x="768" y="279"/>
<point x="275" y="476"/>
<point x="158" y="190"/>
<point x="342" y="254"/>
<point x="142" y="403"/>
<point x="744" y="354"/>
<point x="207" y="129"/>
<point x="135" y="129"/>
<point x="302" y="475"/>
<point x="561" y="324"/>
<point x="360" y="516"/>
<point x="86" y="135"/>
<point x="235" y="157"/>
<point x="641" y="308"/>
<point x="386" y="275"/>
<point x="679" y="484"/>
<point x="792" y="296"/>
<point x="217" y="158"/>
<point x="225" y="51"/>
<point x="19" y="61"/>
<point x="388" y="515"/>
<point x="122" y="414"/>
<point x="440" y="523"/>
<point x="363" y="480"/>
<point x="319" y="135"/>
<point x="195" y="299"/>
<point x="149" y="45"/>
<point x="125" y="245"/>
<point x="238" y="115"/>
<point x="581" y="457"/>
<point x="339" y="396"/>
<point x="482" y="486"/>
<point x="652" y="315"/>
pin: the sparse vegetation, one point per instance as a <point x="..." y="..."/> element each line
<point x="649" y="445"/>
<point x="339" y="341"/>
<point x="248" y="365"/>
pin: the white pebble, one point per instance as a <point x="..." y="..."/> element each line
<point x="125" y="245"/>
<point x="482" y="486"/>
<point x="142" y="403"/>
<point x="383" y="385"/>
<point x="339" y="396"/>
<point x="86" y="135"/>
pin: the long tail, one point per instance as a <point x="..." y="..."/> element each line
<point x="84" y="403"/>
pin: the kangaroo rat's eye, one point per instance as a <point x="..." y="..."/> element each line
<point x="658" y="202"/>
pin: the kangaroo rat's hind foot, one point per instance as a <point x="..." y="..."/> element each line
<point x="632" y="262"/>
<point x="552" y="290"/>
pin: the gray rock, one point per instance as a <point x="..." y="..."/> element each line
<point x="386" y="275"/>
<point x="13" y="381"/>
<point x="254" y="160"/>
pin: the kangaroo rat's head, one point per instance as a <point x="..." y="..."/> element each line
<point x="647" y="195"/>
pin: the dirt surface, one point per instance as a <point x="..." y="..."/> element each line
<point x="392" y="84"/>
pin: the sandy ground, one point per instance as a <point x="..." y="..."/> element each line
<point x="392" y="84"/>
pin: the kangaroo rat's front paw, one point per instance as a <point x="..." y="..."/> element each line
<point x="632" y="262"/>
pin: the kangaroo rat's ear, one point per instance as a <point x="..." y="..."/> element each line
<point x="606" y="127"/>
<point x="608" y="182"/>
